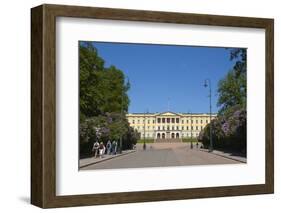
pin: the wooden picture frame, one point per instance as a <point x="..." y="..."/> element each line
<point x="43" y="105"/>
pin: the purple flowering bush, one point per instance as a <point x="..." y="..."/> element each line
<point x="229" y="128"/>
<point x="110" y="126"/>
<point x="228" y="131"/>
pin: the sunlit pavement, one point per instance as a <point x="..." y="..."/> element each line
<point x="162" y="155"/>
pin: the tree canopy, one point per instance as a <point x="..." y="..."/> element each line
<point x="103" y="101"/>
<point x="102" y="89"/>
<point x="229" y="128"/>
<point x="232" y="89"/>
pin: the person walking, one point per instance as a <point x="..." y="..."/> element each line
<point x="144" y="146"/>
<point x="113" y="147"/>
<point x="95" y="149"/>
<point x="108" y="147"/>
<point x="116" y="148"/>
<point x="101" y="149"/>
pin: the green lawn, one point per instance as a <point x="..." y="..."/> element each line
<point x="185" y="140"/>
<point x="146" y="141"/>
<point x="188" y="140"/>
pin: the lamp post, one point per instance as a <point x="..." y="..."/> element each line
<point x="191" y="127"/>
<point x="208" y="84"/>
<point x="144" y="142"/>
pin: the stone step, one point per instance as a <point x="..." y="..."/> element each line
<point x="168" y="140"/>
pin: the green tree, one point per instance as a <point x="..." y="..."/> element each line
<point x="240" y="55"/>
<point x="113" y="89"/>
<point x="103" y="101"/>
<point x="232" y="89"/>
<point x="229" y="128"/>
<point x="101" y="89"/>
<point x="90" y="65"/>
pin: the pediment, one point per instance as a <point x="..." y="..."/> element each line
<point x="167" y="114"/>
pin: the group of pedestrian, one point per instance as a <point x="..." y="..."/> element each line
<point x="99" y="149"/>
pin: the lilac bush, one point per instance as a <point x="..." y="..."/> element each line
<point x="111" y="126"/>
<point x="228" y="131"/>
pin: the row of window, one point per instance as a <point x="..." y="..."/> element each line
<point x="178" y="128"/>
<point x="183" y="135"/>
<point x="173" y="128"/>
<point x="170" y="120"/>
<point x="138" y="121"/>
<point x="177" y="120"/>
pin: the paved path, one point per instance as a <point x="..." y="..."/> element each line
<point x="92" y="160"/>
<point x="229" y="155"/>
<point x="162" y="155"/>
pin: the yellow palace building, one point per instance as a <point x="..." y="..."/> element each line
<point x="169" y="125"/>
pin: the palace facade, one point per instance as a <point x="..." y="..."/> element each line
<point x="168" y="125"/>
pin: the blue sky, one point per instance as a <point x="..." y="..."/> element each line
<point x="168" y="77"/>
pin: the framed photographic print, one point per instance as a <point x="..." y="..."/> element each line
<point x="136" y="106"/>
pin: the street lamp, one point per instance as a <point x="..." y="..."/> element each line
<point x="190" y="118"/>
<point x="144" y="142"/>
<point x="208" y="84"/>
